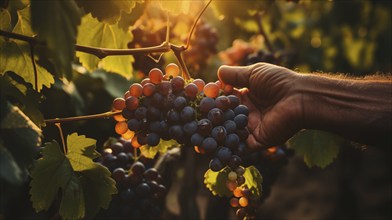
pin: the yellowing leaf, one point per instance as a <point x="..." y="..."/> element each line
<point x="216" y="182"/>
<point x="253" y="180"/>
<point x="104" y="36"/>
<point x="23" y="25"/>
<point x="318" y="148"/>
<point x="81" y="151"/>
<point x="5" y="21"/>
<point x="162" y="147"/>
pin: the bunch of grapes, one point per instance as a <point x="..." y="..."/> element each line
<point x="245" y="202"/>
<point x="207" y="117"/>
<point x="202" y="46"/>
<point x="140" y="189"/>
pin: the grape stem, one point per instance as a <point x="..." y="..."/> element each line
<point x="84" y="117"/>
<point x="58" y="125"/>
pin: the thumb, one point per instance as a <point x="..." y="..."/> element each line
<point x="237" y="76"/>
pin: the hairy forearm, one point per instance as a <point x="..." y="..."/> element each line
<point x="360" y="110"/>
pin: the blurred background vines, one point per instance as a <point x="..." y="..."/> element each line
<point x="43" y="75"/>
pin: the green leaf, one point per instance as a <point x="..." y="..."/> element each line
<point x="216" y="182"/>
<point x="14" y="87"/>
<point x="9" y="169"/>
<point x="5" y="21"/>
<point x="108" y="11"/>
<point x="253" y="180"/>
<point x="98" y="188"/>
<point x="105" y="36"/>
<point x="56" y="23"/>
<point x="81" y="151"/>
<point x="50" y="173"/>
<point x="72" y="204"/>
<point x="318" y="148"/>
<point x="19" y="134"/>
<point x="16" y="57"/>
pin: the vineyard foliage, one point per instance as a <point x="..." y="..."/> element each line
<point x="44" y="75"/>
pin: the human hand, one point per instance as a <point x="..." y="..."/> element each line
<point x="275" y="106"/>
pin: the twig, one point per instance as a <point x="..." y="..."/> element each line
<point x="34" y="66"/>
<point x="84" y="117"/>
<point x="258" y="18"/>
<point x="62" y="137"/>
<point x="178" y="53"/>
<point x="194" y="24"/>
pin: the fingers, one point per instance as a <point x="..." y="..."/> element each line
<point x="237" y="76"/>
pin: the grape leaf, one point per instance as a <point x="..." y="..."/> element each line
<point x="98" y="188"/>
<point x="175" y="6"/>
<point x="216" y="182"/>
<point x="23" y="25"/>
<point x="50" y="173"/>
<point x="56" y="23"/>
<point x="86" y="186"/>
<point x="128" y="19"/>
<point x="15" y="57"/>
<point x="108" y="36"/>
<point x="13" y="86"/>
<point x="5" y="21"/>
<point x="318" y="148"/>
<point x="162" y="147"/>
<point x="72" y="204"/>
<point x="253" y="180"/>
<point x="108" y="11"/>
<point x="19" y="134"/>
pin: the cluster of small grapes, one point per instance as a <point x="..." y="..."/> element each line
<point x="140" y="189"/>
<point x="244" y="200"/>
<point x="206" y="116"/>
<point x="202" y="46"/>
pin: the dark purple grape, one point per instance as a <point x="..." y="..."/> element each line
<point x="122" y="158"/>
<point x="234" y="162"/>
<point x="177" y="83"/>
<point x="155" y="126"/>
<point x="219" y="134"/>
<point x="157" y="99"/>
<point x="134" y="124"/>
<point x="206" y="104"/>
<point x="234" y="101"/>
<point x="128" y="114"/>
<point x="241" y="109"/>
<point x="224" y="154"/>
<point x="153" y="139"/>
<point x="118" y="174"/>
<point x="144" y="124"/>
<point x="127" y="146"/>
<point x="143" y="189"/>
<point x="190" y="128"/>
<point x="187" y="114"/>
<point x="216" y="165"/>
<point x="197" y="139"/>
<point x="229" y="114"/>
<point x="222" y="102"/>
<point x="173" y="117"/>
<point x="204" y="127"/>
<point x="117" y="148"/>
<point x="232" y="141"/>
<point x="141" y="138"/>
<point x="179" y="103"/>
<point x="216" y="116"/>
<point x="241" y="121"/>
<point x="176" y="132"/>
<point x="128" y="196"/>
<point x="164" y="87"/>
<point x="242" y="133"/>
<point x="141" y="112"/>
<point x="230" y="126"/>
<point x="209" y="144"/>
<point x="137" y="169"/>
<point x="153" y="113"/>
<point x="151" y="174"/>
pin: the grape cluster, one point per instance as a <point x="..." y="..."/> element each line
<point x="140" y="189"/>
<point x="202" y="46"/>
<point x="207" y="117"/>
<point x="245" y="202"/>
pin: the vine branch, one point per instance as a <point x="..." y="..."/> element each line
<point x="195" y="23"/>
<point x="84" y="117"/>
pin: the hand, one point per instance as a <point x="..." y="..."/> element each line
<point x="275" y="108"/>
